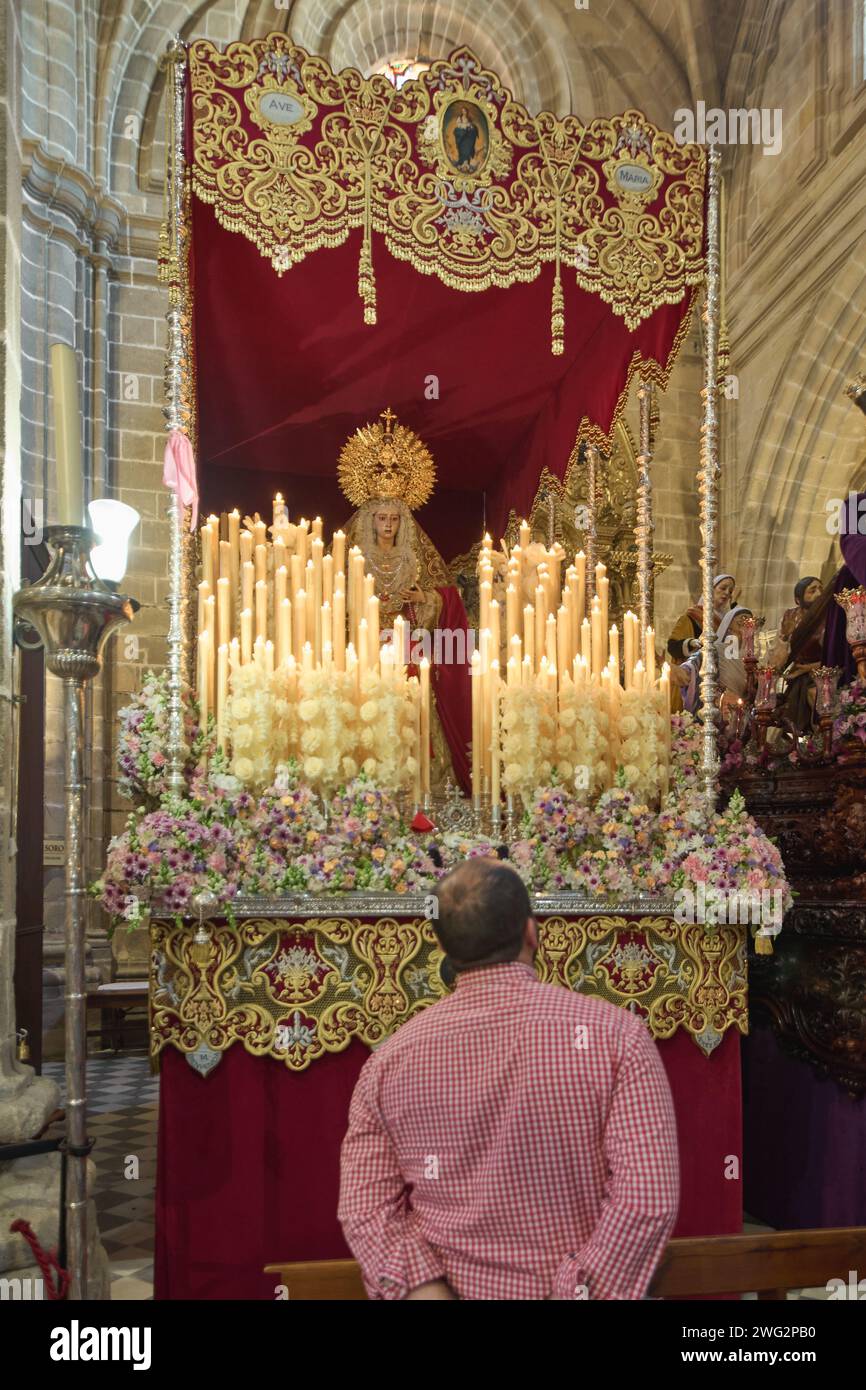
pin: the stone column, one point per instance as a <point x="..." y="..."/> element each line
<point x="29" y="1187"/>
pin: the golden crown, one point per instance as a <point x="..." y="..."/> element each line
<point x="386" y="460"/>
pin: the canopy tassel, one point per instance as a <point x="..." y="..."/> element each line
<point x="557" y="316"/>
<point x="367" y="280"/>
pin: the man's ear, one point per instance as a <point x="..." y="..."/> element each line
<point x="530" y="934"/>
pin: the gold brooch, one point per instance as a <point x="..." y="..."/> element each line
<point x="386" y="460"/>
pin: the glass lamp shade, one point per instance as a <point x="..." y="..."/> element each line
<point x="854" y="603"/>
<point x="113" y="522"/>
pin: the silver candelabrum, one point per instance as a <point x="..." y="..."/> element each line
<point x="74" y="613"/>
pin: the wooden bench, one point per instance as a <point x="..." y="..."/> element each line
<point x="769" y="1264"/>
<point x="115" y="1002"/>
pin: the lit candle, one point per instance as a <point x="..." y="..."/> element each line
<point x="67" y="436"/>
<point x="234" y="554"/>
<point x="550" y="635"/>
<point x="246" y="544"/>
<point x="363" y="658"/>
<point x="339" y="629"/>
<point x="246" y="636"/>
<point x="614" y="648"/>
<point x="296" y="577"/>
<point x="326" y="637"/>
<point x="328" y="579"/>
<point x="204" y="592"/>
<point x="299" y="622"/>
<point x="261" y="609"/>
<point x="222" y="692"/>
<point x="529" y="635"/>
<point x="525" y="535"/>
<point x="338" y="551"/>
<point x="650" y="656"/>
<point x="495" y="754"/>
<point x="225" y="560"/>
<point x="284" y="631"/>
<point x="269" y="657"/>
<point x="586" y="644"/>
<point x="604" y="596"/>
<point x="223" y="611"/>
<point x="485" y="593"/>
<point x="580" y="561"/>
<point x="280" y="511"/>
<point x="563" y="640"/>
<point x="261" y="559"/>
<point x="513" y="672"/>
<point x="317" y="529"/>
<point x="260" y="533"/>
<point x="318" y="549"/>
<point x="210" y="628"/>
<point x="595" y="623"/>
<point x="207" y="573"/>
<point x="415" y="689"/>
<point x="281" y="585"/>
<point x="628" y="651"/>
<point x="301" y="540"/>
<point x="425" y="725"/>
<point x="475" y="672"/>
<point x="512" y="612"/>
<point x="373" y="637"/>
<point x="494" y="630"/>
<point x="248" y="580"/>
<point x="203" y="668"/>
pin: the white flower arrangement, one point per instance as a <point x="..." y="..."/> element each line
<point x="582" y="741"/>
<point x="387" y="734"/>
<point x="528" y="734"/>
<point x="640" y="746"/>
<point x="250" y="723"/>
<point x="327" y="722"/>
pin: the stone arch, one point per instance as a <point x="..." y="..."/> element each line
<point x="809" y="444"/>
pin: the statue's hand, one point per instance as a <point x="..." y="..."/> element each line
<point x="415" y="595"/>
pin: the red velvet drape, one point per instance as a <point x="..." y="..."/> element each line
<point x="248" y="1162"/>
<point x="286" y="370"/>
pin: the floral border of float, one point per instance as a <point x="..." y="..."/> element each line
<point x="223" y="840"/>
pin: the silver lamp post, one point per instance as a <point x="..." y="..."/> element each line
<point x="74" y="613"/>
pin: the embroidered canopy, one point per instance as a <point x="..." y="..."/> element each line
<point x="580" y="245"/>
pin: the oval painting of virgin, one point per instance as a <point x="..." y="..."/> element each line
<point x="466" y="137"/>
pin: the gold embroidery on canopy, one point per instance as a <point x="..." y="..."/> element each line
<point x="455" y="175"/>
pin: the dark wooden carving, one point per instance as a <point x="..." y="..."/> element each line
<point x="813" y="988"/>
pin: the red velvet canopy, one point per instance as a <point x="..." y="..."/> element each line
<point x="286" y="367"/>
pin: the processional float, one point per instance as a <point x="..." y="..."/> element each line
<point x="334" y="247"/>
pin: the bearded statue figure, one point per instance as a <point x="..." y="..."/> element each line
<point x="387" y="471"/>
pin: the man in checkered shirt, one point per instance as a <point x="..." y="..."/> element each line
<point x="516" y="1140"/>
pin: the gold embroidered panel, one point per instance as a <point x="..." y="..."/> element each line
<point x="457" y="177"/>
<point x="294" y="990"/>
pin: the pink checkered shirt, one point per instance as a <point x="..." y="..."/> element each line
<point x="517" y="1140"/>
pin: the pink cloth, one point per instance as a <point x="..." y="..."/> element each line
<point x="178" y="472"/>
<point x="516" y="1140"/>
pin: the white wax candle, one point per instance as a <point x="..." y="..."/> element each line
<point x="67" y="436"/>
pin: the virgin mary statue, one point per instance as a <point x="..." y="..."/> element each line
<point x="387" y="471"/>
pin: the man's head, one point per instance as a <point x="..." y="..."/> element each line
<point x="485" y="916"/>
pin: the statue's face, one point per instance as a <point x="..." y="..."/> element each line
<point x="386" y="523"/>
<point x="722" y="594"/>
<point x="813" y="590"/>
<point x="738" y="625"/>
